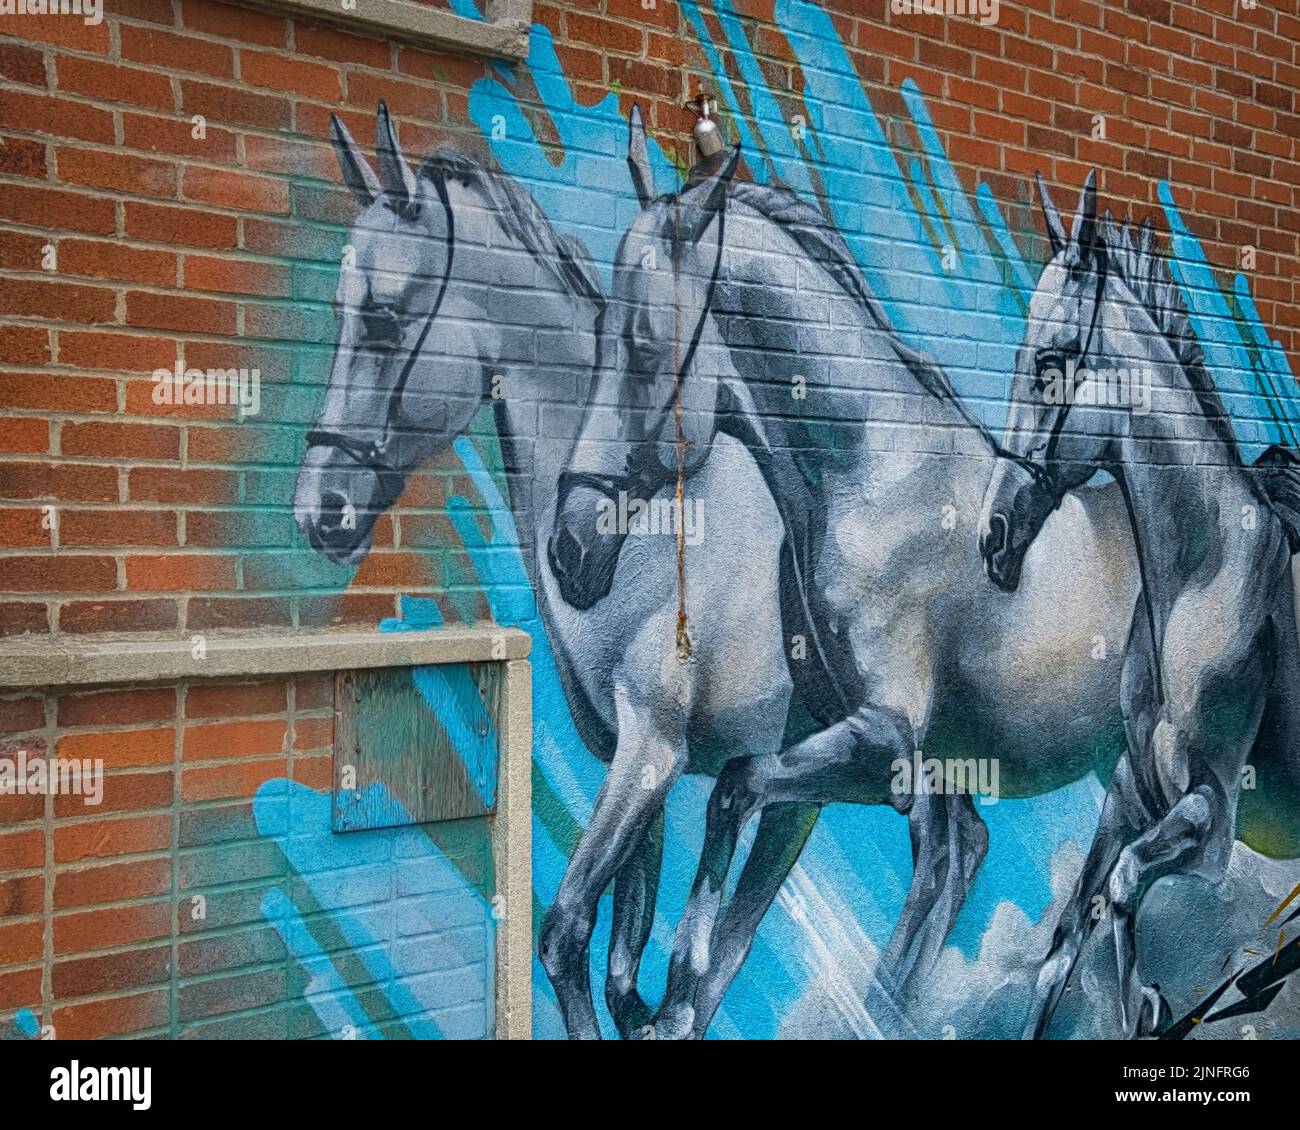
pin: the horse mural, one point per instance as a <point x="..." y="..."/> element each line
<point x="456" y="278"/>
<point x="837" y="623"/>
<point x="1210" y="669"/>
<point x="876" y="478"/>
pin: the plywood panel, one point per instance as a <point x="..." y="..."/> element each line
<point x="415" y="745"/>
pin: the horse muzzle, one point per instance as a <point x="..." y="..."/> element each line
<point x="582" y="558"/>
<point x="1016" y="504"/>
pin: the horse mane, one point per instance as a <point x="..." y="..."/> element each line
<point x="566" y="258"/>
<point x="822" y="242"/>
<point x="1146" y="273"/>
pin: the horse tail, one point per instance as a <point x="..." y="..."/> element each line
<point x="1277" y="471"/>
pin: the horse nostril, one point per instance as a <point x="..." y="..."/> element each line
<point x="995" y="537"/>
<point x="566" y="553"/>
<point x="336" y="512"/>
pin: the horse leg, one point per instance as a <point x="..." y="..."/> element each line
<point x="849" y="761"/>
<point x="1163" y="850"/>
<point x="1120" y="814"/>
<point x="646" y="764"/>
<point x="783" y="829"/>
<point x="636" y="889"/>
<point x="949" y="842"/>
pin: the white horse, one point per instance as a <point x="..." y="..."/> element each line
<point x="462" y="293"/>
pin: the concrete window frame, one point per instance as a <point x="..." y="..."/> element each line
<point x="502" y="35"/>
<point x="54" y="664"/>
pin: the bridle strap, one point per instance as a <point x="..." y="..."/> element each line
<point x="1041" y="473"/>
<point x="373" y="454"/>
<point x="637" y="474"/>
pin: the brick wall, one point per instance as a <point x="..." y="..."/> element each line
<point x="218" y="250"/>
<point x="168" y="193"/>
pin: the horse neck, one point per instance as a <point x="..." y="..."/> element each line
<point x="534" y="371"/>
<point x="1179" y="473"/>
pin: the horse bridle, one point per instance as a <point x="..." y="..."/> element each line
<point x="638" y="474"/>
<point x="373" y="454"/>
<point x="1041" y="474"/>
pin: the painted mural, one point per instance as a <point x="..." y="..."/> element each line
<point x="870" y="567"/>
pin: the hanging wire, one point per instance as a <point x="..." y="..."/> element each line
<point x="683" y="636"/>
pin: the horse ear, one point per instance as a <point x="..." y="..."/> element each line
<point x="1055" y="229"/>
<point x="638" y="157"/>
<point x="1087" y="235"/>
<point x="393" y="170"/>
<point x="357" y="173"/>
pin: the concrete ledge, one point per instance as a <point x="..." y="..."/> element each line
<point x="503" y="35"/>
<point x="60" y="661"/>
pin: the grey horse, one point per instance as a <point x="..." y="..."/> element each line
<point x="458" y="293"/>
<point x="1110" y="376"/>
<point x="763" y="330"/>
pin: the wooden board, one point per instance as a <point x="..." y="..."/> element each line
<point x="414" y="745"/>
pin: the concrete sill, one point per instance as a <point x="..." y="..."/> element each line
<point x="503" y="35"/>
<point x="61" y="661"/>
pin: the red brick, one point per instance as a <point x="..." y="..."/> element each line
<point x="22" y="64"/>
<point x="113" y="1016"/>
<point x="210" y="700"/>
<point x="180" y="572"/>
<point x="20" y="157"/>
<point x="233" y="739"/>
<point x="295" y="76"/>
<point x="187" y="227"/>
<point x="46" y="115"/>
<point x="108" y="82"/>
<point x="121" y="441"/>
<point x="21" y="896"/>
<point x="118" y="616"/>
<point x="21" y="714"/>
<point x="118" y="835"/>
<point x="177" y="136"/>
<point x="48" y="298"/>
<point x="239" y="779"/>
<point x="23" y="529"/>
<point x="57" y="392"/>
<point x="236" y="276"/>
<point x="72" y="573"/>
<point x="132" y="969"/>
<point x="23" y="617"/>
<point x="180" y="53"/>
<point x="24" y="345"/>
<point x="228" y="105"/>
<point x="117" y="707"/>
<point x="236" y="24"/>
<point x="118" y="352"/>
<point x="117" y="528"/>
<point x="20" y="988"/>
<point x="20" y="435"/>
<point x="148" y="484"/>
<point x="104" y="260"/>
<point x="21" y="942"/>
<point x="112" y="882"/>
<point x="229" y="189"/>
<point x="327" y="43"/>
<point x="180" y="312"/>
